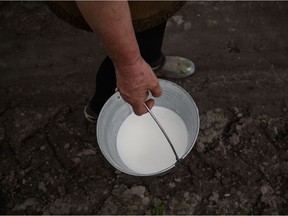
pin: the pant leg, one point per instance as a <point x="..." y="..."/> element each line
<point x="150" y="44"/>
<point x="105" y="85"/>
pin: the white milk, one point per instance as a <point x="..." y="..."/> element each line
<point x="143" y="147"/>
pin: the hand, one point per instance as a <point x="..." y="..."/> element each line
<point x="134" y="83"/>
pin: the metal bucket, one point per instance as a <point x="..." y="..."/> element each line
<point x="116" y="110"/>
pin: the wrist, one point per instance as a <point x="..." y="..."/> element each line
<point x="127" y="60"/>
<point x="133" y="72"/>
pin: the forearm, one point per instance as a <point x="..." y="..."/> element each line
<point x="111" y="21"/>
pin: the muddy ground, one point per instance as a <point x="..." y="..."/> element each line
<point x="50" y="160"/>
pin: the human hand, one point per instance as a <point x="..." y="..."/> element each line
<point x="134" y="83"/>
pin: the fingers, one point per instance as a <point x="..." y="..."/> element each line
<point x="137" y="103"/>
<point x="150" y="103"/>
<point x="156" y="90"/>
<point x="137" y="100"/>
<point x="140" y="109"/>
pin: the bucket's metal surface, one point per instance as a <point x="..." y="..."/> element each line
<point x="116" y="110"/>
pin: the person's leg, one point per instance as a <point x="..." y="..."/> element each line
<point x="105" y="85"/>
<point x="150" y="44"/>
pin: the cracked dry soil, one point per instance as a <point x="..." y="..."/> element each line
<point x="50" y="160"/>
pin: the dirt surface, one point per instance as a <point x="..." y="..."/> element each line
<point x="50" y="160"/>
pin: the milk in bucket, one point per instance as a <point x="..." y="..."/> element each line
<point x="143" y="147"/>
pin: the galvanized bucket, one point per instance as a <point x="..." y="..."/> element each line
<point x="116" y="110"/>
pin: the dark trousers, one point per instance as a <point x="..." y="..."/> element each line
<point x="150" y="44"/>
